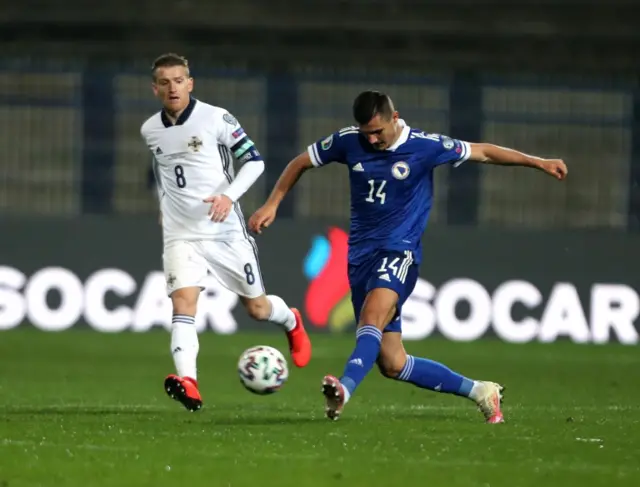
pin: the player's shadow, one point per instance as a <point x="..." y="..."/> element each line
<point x="80" y="411"/>
<point x="262" y="420"/>
<point x="210" y="416"/>
<point x="427" y="415"/>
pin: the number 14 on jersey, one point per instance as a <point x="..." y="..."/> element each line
<point x="379" y="193"/>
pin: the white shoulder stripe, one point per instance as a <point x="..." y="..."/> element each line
<point x="314" y="156"/>
<point x="466" y="153"/>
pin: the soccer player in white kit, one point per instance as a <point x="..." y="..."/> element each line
<point x="204" y="231"/>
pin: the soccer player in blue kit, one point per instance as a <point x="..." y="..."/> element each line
<point x="391" y="176"/>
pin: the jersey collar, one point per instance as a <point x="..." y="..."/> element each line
<point x="184" y="116"/>
<point x="403" y="136"/>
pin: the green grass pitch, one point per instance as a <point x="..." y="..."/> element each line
<point x="87" y="409"/>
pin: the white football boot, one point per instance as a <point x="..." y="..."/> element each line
<point x="488" y="397"/>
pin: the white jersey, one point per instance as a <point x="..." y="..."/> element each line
<point x="192" y="161"/>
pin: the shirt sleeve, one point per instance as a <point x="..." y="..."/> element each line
<point x="329" y="149"/>
<point x="232" y="135"/>
<point x="449" y="151"/>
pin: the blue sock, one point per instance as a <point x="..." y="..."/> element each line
<point x="434" y="376"/>
<point x="363" y="358"/>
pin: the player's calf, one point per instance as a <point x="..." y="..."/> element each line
<point x="395" y="363"/>
<point x="185" y="300"/>
<point x="273" y="308"/>
<point x="258" y="308"/>
<point x="432" y="375"/>
<point x="391" y="368"/>
<point x="378" y="309"/>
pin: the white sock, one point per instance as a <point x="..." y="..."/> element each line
<point x="184" y="345"/>
<point x="281" y="313"/>
<point x="347" y="394"/>
<point x="475" y="390"/>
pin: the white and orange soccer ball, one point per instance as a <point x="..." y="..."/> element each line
<point x="262" y="369"/>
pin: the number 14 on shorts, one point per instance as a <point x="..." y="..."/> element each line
<point x="395" y="266"/>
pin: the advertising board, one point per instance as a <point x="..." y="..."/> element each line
<point x="519" y="287"/>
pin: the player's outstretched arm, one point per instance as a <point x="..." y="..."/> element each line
<point x="265" y="215"/>
<point x="493" y="154"/>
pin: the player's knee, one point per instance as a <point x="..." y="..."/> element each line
<point x="372" y="318"/>
<point x="185" y="301"/>
<point x="377" y="314"/>
<point x="391" y="367"/>
<point x="258" y="308"/>
<point x="379" y="308"/>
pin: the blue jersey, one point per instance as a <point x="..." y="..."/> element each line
<point x="392" y="189"/>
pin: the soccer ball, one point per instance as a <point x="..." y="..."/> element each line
<point x="263" y="370"/>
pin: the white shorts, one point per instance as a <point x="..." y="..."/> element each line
<point x="234" y="264"/>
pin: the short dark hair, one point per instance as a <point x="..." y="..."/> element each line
<point x="370" y="103"/>
<point x="169" y="60"/>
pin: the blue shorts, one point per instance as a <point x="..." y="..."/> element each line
<point x="384" y="269"/>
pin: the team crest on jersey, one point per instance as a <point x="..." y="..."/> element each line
<point x="194" y="144"/>
<point x="326" y="143"/>
<point x="400" y="170"/>
<point x="230" y="119"/>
